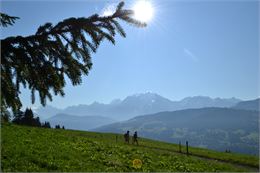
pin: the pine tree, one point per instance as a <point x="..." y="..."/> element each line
<point x="57" y="126"/>
<point x="41" y="61"/>
<point x="18" y="116"/>
<point x="5" y="116"/>
<point x="26" y="118"/>
<point x="46" y="124"/>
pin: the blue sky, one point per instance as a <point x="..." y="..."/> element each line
<point x="189" y="48"/>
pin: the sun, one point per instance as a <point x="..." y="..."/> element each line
<point x="143" y="10"/>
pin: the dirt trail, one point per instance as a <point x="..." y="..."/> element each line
<point x="241" y="165"/>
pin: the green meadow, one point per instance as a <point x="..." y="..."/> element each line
<point x="34" y="149"/>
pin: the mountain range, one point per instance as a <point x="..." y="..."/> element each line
<point x="134" y="105"/>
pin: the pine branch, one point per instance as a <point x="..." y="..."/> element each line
<point x="6" y="20"/>
<point x="41" y="61"/>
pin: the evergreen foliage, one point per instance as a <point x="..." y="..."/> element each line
<point x="46" y="125"/>
<point x="57" y="127"/>
<point x="41" y="61"/>
<point x="5" y="116"/>
<point x="6" y="20"/>
<point x="27" y="118"/>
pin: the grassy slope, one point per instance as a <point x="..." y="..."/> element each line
<point x="37" y="149"/>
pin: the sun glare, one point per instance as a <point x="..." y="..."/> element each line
<point x="143" y="10"/>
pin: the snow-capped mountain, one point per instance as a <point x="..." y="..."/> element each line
<point x="138" y="104"/>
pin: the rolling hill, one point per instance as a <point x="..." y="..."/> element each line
<point x="31" y="149"/>
<point x="253" y="105"/>
<point x="213" y="128"/>
<point x="79" y="122"/>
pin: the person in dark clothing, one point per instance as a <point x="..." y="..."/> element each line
<point x="135" y="138"/>
<point x="126" y="136"/>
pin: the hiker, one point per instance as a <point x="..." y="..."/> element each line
<point x="135" y="138"/>
<point x="126" y="136"/>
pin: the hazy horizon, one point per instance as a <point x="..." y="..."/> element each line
<point x="136" y="94"/>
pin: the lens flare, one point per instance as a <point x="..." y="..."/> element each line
<point x="143" y="10"/>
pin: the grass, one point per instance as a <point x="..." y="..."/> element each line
<point x="236" y="158"/>
<point x="27" y="149"/>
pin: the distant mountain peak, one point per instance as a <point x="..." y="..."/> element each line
<point x="148" y="94"/>
<point x="116" y="101"/>
<point x="148" y="97"/>
<point x="95" y="103"/>
<point x="139" y="104"/>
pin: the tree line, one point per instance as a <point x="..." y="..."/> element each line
<point x="27" y="118"/>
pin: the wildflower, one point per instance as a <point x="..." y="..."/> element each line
<point x="137" y="163"/>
